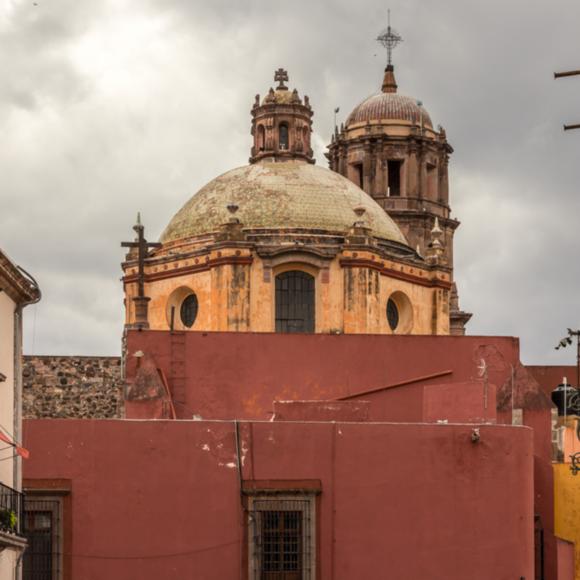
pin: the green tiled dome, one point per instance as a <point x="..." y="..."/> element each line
<point x="281" y="195"/>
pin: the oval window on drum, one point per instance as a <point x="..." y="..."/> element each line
<point x="392" y="314"/>
<point x="188" y="310"/>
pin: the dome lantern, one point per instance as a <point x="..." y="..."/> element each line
<point x="281" y="124"/>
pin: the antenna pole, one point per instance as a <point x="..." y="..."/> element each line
<point x="568" y="73"/>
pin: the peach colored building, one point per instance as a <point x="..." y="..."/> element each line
<point x="17" y="290"/>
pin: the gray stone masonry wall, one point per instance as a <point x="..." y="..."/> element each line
<point x="72" y="387"/>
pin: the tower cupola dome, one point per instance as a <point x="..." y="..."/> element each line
<point x="281" y="124"/>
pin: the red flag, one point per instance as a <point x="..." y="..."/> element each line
<point x="19" y="450"/>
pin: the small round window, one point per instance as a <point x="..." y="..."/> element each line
<point x="188" y="310"/>
<point x="392" y="314"/>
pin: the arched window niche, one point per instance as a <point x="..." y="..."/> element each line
<point x="261" y="138"/>
<point x="399" y="313"/>
<point x="182" y="309"/>
<point x="295" y="302"/>
<point x="306" y="138"/>
<point x="283" y="137"/>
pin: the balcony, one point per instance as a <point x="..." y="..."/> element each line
<point x="416" y="204"/>
<point x="11" y="518"/>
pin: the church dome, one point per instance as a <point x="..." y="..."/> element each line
<point x="281" y="195"/>
<point x="389" y="106"/>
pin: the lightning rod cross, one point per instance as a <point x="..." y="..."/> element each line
<point x="389" y="38"/>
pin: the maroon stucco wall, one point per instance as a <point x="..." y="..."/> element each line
<point x="237" y="375"/>
<point x="161" y="499"/>
<point x="550" y="377"/>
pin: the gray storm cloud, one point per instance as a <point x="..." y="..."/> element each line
<point x="110" y="108"/>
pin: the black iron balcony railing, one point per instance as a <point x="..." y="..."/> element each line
<point x="11" y="510"/>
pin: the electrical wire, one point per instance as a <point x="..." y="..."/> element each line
<point x="6" y="431"/>
<point x="151" y="557"/>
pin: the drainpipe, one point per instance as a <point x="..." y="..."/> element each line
<point x="17" y="426"/>
<point x="17" y="414"/>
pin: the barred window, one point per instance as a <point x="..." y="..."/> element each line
<point x="282" y="537"/>
<point x="43" y="529"/>
<point x="295" y="298"/>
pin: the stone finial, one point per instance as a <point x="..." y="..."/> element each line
<point x="270" y="97"/>
<point x="457" y="317"/>
<point x="389" y="82"/>
<point x="436" y="249"/>
<point x="454" y="298"/>
<point x="232" y="230"/>
<point x="360" y="225"/>
<point x="436" y="231"/>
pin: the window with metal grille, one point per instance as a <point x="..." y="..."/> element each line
<point x="43" y="529"/>
<point x="294" y="302"/>
<point x="282" y="538"/>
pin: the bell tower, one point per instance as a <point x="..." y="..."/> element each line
<point x="281" y="124"/>
<point x="389" y="147"/>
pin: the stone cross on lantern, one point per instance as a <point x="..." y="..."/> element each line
<point x="142" y="246"/>
<point x="281" y="76"/>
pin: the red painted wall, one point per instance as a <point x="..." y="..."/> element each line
<point x="160" y="499"/>
<point x="550" y="377"/>
<point x="237" y="375"/>
<point x="565" y="560"/>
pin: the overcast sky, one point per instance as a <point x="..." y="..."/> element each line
<point x="117" y="106"/>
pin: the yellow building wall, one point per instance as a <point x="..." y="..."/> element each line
<point x="567" y="508"/>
